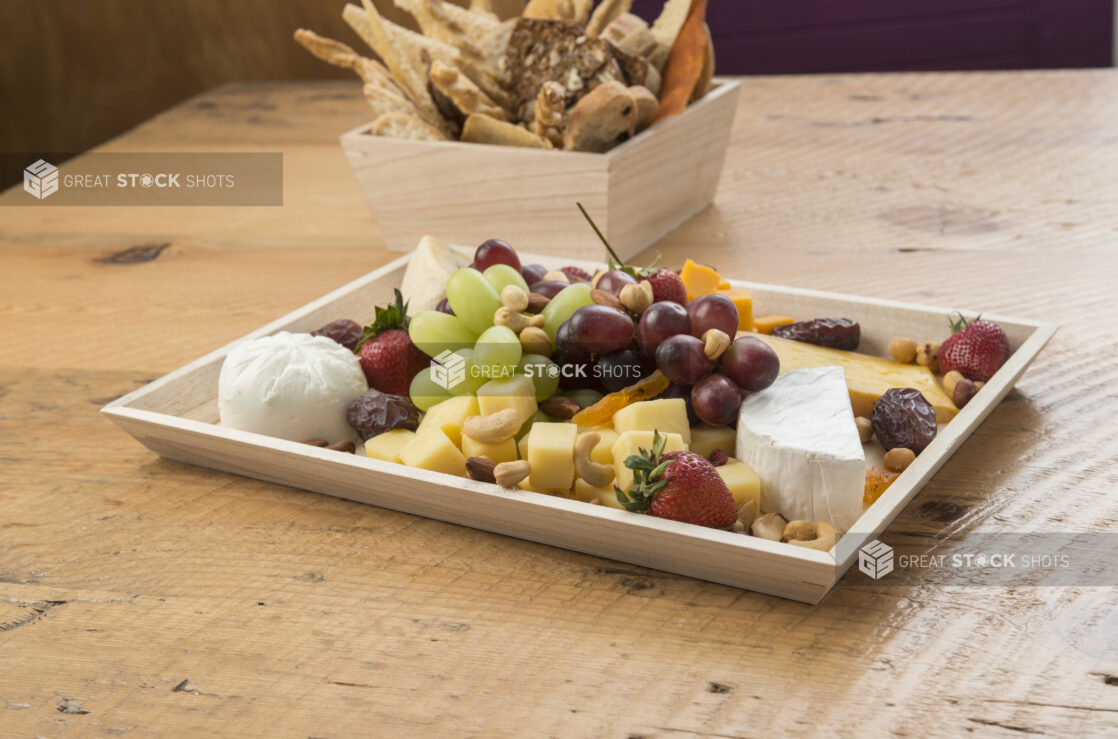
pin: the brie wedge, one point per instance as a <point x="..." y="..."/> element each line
<point x="432" y="263"/>
<point x="799" y="436"/>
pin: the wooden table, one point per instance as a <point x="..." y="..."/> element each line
<point x="140" y="596"/>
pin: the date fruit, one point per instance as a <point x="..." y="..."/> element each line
<point x="833" y="333"/>
<point x="376" y="412"/>
<point x="344" y="331"/>
<point x="903" y="418"/>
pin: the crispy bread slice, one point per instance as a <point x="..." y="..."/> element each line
<point x="405" y="126"/>
<point x="606" y="13"/>
<point x="558" y="10"/>
<point x="481" y="129"/>
<point x="457" y="96"/>
<point x="666" y="29"/>
<point x="466" y="31"/>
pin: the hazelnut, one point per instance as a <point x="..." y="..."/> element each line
<point x="898" y="460"/>
<point x="865" y="428"/>
<point x="964" y="391"/>
<point x="927" y="355"/>
<point x="902" y="350"/>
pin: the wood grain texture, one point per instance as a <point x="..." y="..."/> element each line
<point x="124" y="577"/>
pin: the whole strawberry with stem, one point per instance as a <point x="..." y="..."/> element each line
<point x="976" y="349"/>
<point x="386" y="352"/>
<point x="681" y="486"/>
<point x="666" y="285"/>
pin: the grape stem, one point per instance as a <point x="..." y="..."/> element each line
<point x="617" y="262"/>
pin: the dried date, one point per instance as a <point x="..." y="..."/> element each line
<point x="376" y="412"/>
<point x="904" y="419"/>
<point x="833" y="333"/>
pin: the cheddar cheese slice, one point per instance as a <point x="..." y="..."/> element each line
<point x="867" y="377"/>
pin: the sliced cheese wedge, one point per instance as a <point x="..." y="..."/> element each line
<point x="799" y="436"/>
<point x="431" y="265"/>
<point x="867" y="377"/>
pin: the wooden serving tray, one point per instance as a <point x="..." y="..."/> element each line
<point x="175" y="416"/>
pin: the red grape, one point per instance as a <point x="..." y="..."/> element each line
<point x="713" y="311"/>
<point x="614" y="280"/>
<point x="533" y="273"/>
<point x="751" y="363"/>
<point x="550" y="288"/>
<point x="493" y="252"/>
<point x="621" y="369"/>
<point x="661" y="321"/>
<point x="716" y="399"/>
<point x="682" y="360"/>
<point x="444" y="307"/>
<point x="599" y="329"/>
<point x="566" y="345"/>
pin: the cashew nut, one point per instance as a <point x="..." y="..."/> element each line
<point x="799" y="531"/>
<point x="595" y="474"/>
<point x="514" y="298"/>
<point x="927" y="355"/>
<point x="538" y="321"/>
<point x="509" y="474"/>
<point x="715" y="342"/>
<point x="535" y="341"/>
<point x="902" y="350"/>
<point x="492" y="428"/>
<point x="555" y="276"/>
<point x="769" y="526"/>
<point x="515" y="320"/>
<point x="826" y="536"/>
<point x="637" y="298"/>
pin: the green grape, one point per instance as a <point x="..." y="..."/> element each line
<point x="584" y="396"/>
<point x="472" y="298"/>
<point x="496" y="352"/>
<point x="500" y="275"/>
<point x="425" y="392"/>
<point x="563" y="306"/>
<point x="472" y="377"/>
<point x="434" y="332"/>
<point x="538" y="367"/>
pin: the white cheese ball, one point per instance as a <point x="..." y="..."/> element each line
<point x="291" y="386"/>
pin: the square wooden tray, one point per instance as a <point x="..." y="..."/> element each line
<point x="637" y="192"/>
<point x="175" y="417"/>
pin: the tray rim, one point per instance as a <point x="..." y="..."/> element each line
<point x="873" y="520"/>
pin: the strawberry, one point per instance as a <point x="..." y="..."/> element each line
<point x="681" y="486"/>
<point x="386" y="352"/>
<point x="666" y="285"/>
<point x="976" y="349"/>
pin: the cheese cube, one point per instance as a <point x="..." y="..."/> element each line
<point x="742" y="481"/>
<point x="602" y="453"/>
<point x="766" y="324"/>
<point x="518" y="393"/>
<point x="743" y="299"/>
<point x="706" y="438"/>
<point x="502" y="451"/>
<point x="587" y="493"/>
<point x="666" y="415"/>
<point x="867" y="377"/>
<point x="551" y="455"/>
<point x="799" y="436"/>
<point x="448" y="416"/>
<point x="629" y="443"/>
<point x="608" y="498"/>
<point x="433" y="450"/>
<point x="387" y="446"/>
<point x="699" y="279"/>
<point x="522" y="447"/>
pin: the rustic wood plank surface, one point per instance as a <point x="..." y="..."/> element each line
<point x="140" y="596"/>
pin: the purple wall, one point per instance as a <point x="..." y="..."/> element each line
<point x="808" y="36"/>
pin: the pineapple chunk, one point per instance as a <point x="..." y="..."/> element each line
<point x="629" y="443"/>
<point x="742" y="481"/>
<point x="387" y="446"/>
<point x="602" y="453"/>
<point x="667" y="415"/>
<point x="551" y="455"/>
<point x="433" y="450"/>
<point x="518" y="393"/>
<point x="448" y="416"/>
<point x="706" y="438"/>
<point x="502" y="451"/>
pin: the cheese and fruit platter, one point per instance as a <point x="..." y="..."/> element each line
<point x="747" y="434"/>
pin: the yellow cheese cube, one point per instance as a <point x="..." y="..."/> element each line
<point x="666" y="415"/>
<point x="448" y="416"/>
<point x="522" y="447"/>
<point x="743" y="300"/>
<point x="551" y="455"/>
<point x="502" y="451"/>
<point x="387" y="446"/>
<point x="867" y="377"/>
<point x="705" y="439"/>
<point x="608" y="498"/>
<point x="742" y="481"/>
<point x="724" y="285"/>
<point x="433" y="450"/>
<point x="602" y="453"/>
<point x="518" y="393"/>
<point x="629" y="443"/>
<point x="587" y="493"/>
<point x="699" y="279"/>
<point x="766" y="324"/>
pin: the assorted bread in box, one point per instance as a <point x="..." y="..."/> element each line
<point x="566" y="74"/>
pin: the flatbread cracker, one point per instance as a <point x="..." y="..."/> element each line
<point x="558" y="10"/>
<point x="481" y="129"/>
<point x="607" y="12"/>
<point x="405" y="126"/>
<point x="468" y="32"/>
<point x="383" y="100"/>
<point x="666" y="29"/>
